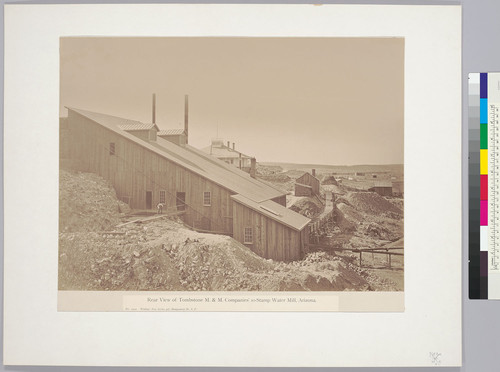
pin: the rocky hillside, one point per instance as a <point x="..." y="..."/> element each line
<point x="163" y="254"/>
<point x="87" y="202"/>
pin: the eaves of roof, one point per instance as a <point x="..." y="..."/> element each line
<point x="275" y="211"/>
<point x="215" y="170"/>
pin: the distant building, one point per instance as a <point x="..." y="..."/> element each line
<point x="231" y="156"/>
<point x="382" y="188"/>
<point x="307" y="184"/>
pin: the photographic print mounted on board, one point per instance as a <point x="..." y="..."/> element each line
<point x="231" y="174"/>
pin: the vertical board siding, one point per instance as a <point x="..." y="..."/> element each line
<point x="302" y="190"/>
<point x="271" y="239"/>
<point x="133" y="170"/>
<point x="310" y="180"/>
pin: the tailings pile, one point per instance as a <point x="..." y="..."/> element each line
<point x="96" y="252"/>
<point x="163" y="255"/>
<point x="87" y="202"/>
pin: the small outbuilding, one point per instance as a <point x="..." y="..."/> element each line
<point x="382" y="188"/>
<point x="307" y="184"/>
<point x="270" y="229"/>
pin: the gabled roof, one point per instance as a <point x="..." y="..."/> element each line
<point x="229" y="177"/>
<point x="137" y="126"/>
<point x="300" y="178"/>
<point x="171" y="132"/>
<point x="275" y="211"/>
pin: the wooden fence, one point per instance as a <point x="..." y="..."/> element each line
<point x="381" y="250"/>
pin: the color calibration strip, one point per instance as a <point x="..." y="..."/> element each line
<point x="484" y="186"/>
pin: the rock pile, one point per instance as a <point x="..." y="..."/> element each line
<point x="308" y="207"/>
<point x="87" y="202"/>
<point x="164" y="255"/>
<point x="371" y="203"/>
<point x="329" y="180"/>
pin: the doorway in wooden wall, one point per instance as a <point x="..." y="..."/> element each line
<point x="181" y="201"/>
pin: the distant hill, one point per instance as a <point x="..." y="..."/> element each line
<point x="324" y="168"/>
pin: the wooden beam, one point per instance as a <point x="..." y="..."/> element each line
<point x="211" y="232"/>
<point x="151" y="218"/>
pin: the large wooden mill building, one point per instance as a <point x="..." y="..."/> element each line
<point x="147" y="166"/>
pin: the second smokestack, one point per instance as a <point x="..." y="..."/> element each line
<point x="154" y="108"/>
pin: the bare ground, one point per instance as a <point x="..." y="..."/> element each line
<point x="362" y="220"/>
<point x="165" y="255"/>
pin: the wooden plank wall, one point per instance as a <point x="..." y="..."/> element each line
<point x="302" y="191"/>
<point x="133" y="170"/>
<point x="271" y="239"/>
<point x="383" y="191"/>
<point x="309" y="179"/>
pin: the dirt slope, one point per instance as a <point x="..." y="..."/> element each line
<point x="165" y="255"/>
<point x="309" y="207"/>
<point x="87" y="203"/>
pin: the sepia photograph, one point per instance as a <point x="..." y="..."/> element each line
<point x="259" y="176"/>
<point x="231" y="164"/>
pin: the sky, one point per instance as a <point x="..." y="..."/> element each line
<point x="335" y="101"/>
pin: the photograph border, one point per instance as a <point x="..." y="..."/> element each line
<point x="431" y="322"/>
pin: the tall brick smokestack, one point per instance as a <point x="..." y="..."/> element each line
<point x="186" y="110"/>
<point x="154" y="108"/>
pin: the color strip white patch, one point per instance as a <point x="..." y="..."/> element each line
<point x="483" y="236"/>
